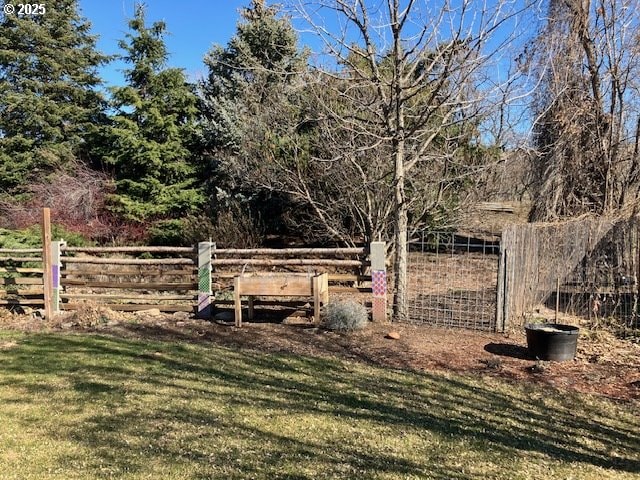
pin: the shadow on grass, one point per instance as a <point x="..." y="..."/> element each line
<point x="204" y="407"/>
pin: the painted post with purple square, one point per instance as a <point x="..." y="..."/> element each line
<point x="56" y="267"/>
<point x="204" y="279"/>
<point x="379" y="281"/>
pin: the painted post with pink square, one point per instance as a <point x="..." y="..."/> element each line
<point x="379" y="281"/>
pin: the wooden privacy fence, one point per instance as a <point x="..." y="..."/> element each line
<point x="586" y="267"/>
<point x="174" y="279"/>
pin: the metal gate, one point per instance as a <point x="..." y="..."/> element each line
<point x="453" y="281"/>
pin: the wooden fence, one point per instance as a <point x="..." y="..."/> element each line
<point x="21" y="278"/>
<point x="171" y="279"/>
<point x="584" y="267"/>
<point x="348" y="269"/>
<point x="127" y="278"/>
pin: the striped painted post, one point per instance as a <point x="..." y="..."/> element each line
<point x="379" y="281"/>
<point x="204" y="280"/>
<point x="56" y="266"/>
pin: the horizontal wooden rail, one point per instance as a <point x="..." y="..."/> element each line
<point x="333" y="277"/>
<point x="21" y="270"/>
<point x="343" y="289"/>
<point x="129" y="285"/>
<point x="21" y="250"/>
<point x="22" y="292"/>
<point x="340" y="289"/>
<point x="291" y="261"/>
<point x="21" y="281"/>
<point x="272" y="303"/>
<point x="20" y="259"/>
<point x="288" y="251"/>
<point x="130" y="307"/>
<point x="347" y="277"/>
<point x="105" y="297"/>
<point x="299" y="304"/>
<point x="129" y="272"/>
<point x="129" y="249"/>
<point x="22" y="301"/>
<point x="128" y="261"/>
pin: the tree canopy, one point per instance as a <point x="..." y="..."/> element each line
<point x="50" y="105"/>
<point x="149" y="145"/>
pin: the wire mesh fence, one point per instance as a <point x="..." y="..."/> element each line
<point x="452" y="281"/>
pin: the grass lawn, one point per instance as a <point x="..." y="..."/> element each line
<point x="79" y="406"/>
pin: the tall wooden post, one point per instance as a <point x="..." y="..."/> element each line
<point x="500" y="289"/>
<point x="379" y="281"/>
<point x="56" y="267"/>
<point x="237" y="302"/>
<point x="204" y="280"/>
<point x="47" y="263"/>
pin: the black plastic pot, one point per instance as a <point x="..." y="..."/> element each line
<point x="552" y="341"/>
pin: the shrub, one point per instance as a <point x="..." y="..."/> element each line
<point x="32" y="237"/>
<point x="184" y="232"/>
<point x="346" y="316"/>
<point x="237" y="227"/>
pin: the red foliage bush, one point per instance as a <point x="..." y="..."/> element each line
<point x="77" y="199"/>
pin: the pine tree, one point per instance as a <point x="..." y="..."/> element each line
<point x="49" y="105"/>
<point x="252" y="71"/>
<point x="250" y="106"/>
<point x="152" y="132"/>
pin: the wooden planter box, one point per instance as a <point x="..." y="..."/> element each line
<point x="281" y="285"/>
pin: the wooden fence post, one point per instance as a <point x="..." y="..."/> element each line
<point x="501" y="288"/>
<point x="379" y="281"/>
<point x="204" y="280"/>
<point x="56" y="267"/>
<point x="46" y="263"/>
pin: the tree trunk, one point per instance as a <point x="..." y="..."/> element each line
<point x="400" y="237"/>
<point x="401" y="206"/>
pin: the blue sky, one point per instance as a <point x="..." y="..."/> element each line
<point x="194" y="26"/>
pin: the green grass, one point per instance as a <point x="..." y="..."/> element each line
<point x="76" y="406"/>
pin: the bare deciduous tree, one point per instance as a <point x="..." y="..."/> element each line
<point x="412" y="84"/>
<point x="588" y="109"/>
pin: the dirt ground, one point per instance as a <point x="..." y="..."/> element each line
<point x="605" y="365"/>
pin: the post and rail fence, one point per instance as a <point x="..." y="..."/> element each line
<point x="588" y="268"/>
<point x="172" y="279"/>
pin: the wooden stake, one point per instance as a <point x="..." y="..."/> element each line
<point x="557" y="298"/>
<point x="237" y="302"/>
<point x="47" y="263"/>
<point x="317" y="287"/>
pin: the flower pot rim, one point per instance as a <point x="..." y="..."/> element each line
<point x="565" y="329"/>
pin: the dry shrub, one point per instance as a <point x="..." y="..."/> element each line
<point x="76" y="196"/>
<point x="237" y="228"/>
<point x="346" y="316"/>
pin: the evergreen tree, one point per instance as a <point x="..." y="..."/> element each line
<point x="251" y="72"/>
<point x="250" y="105"/>
<point x="153" y="130"/>
<point x="49" y="106"/>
